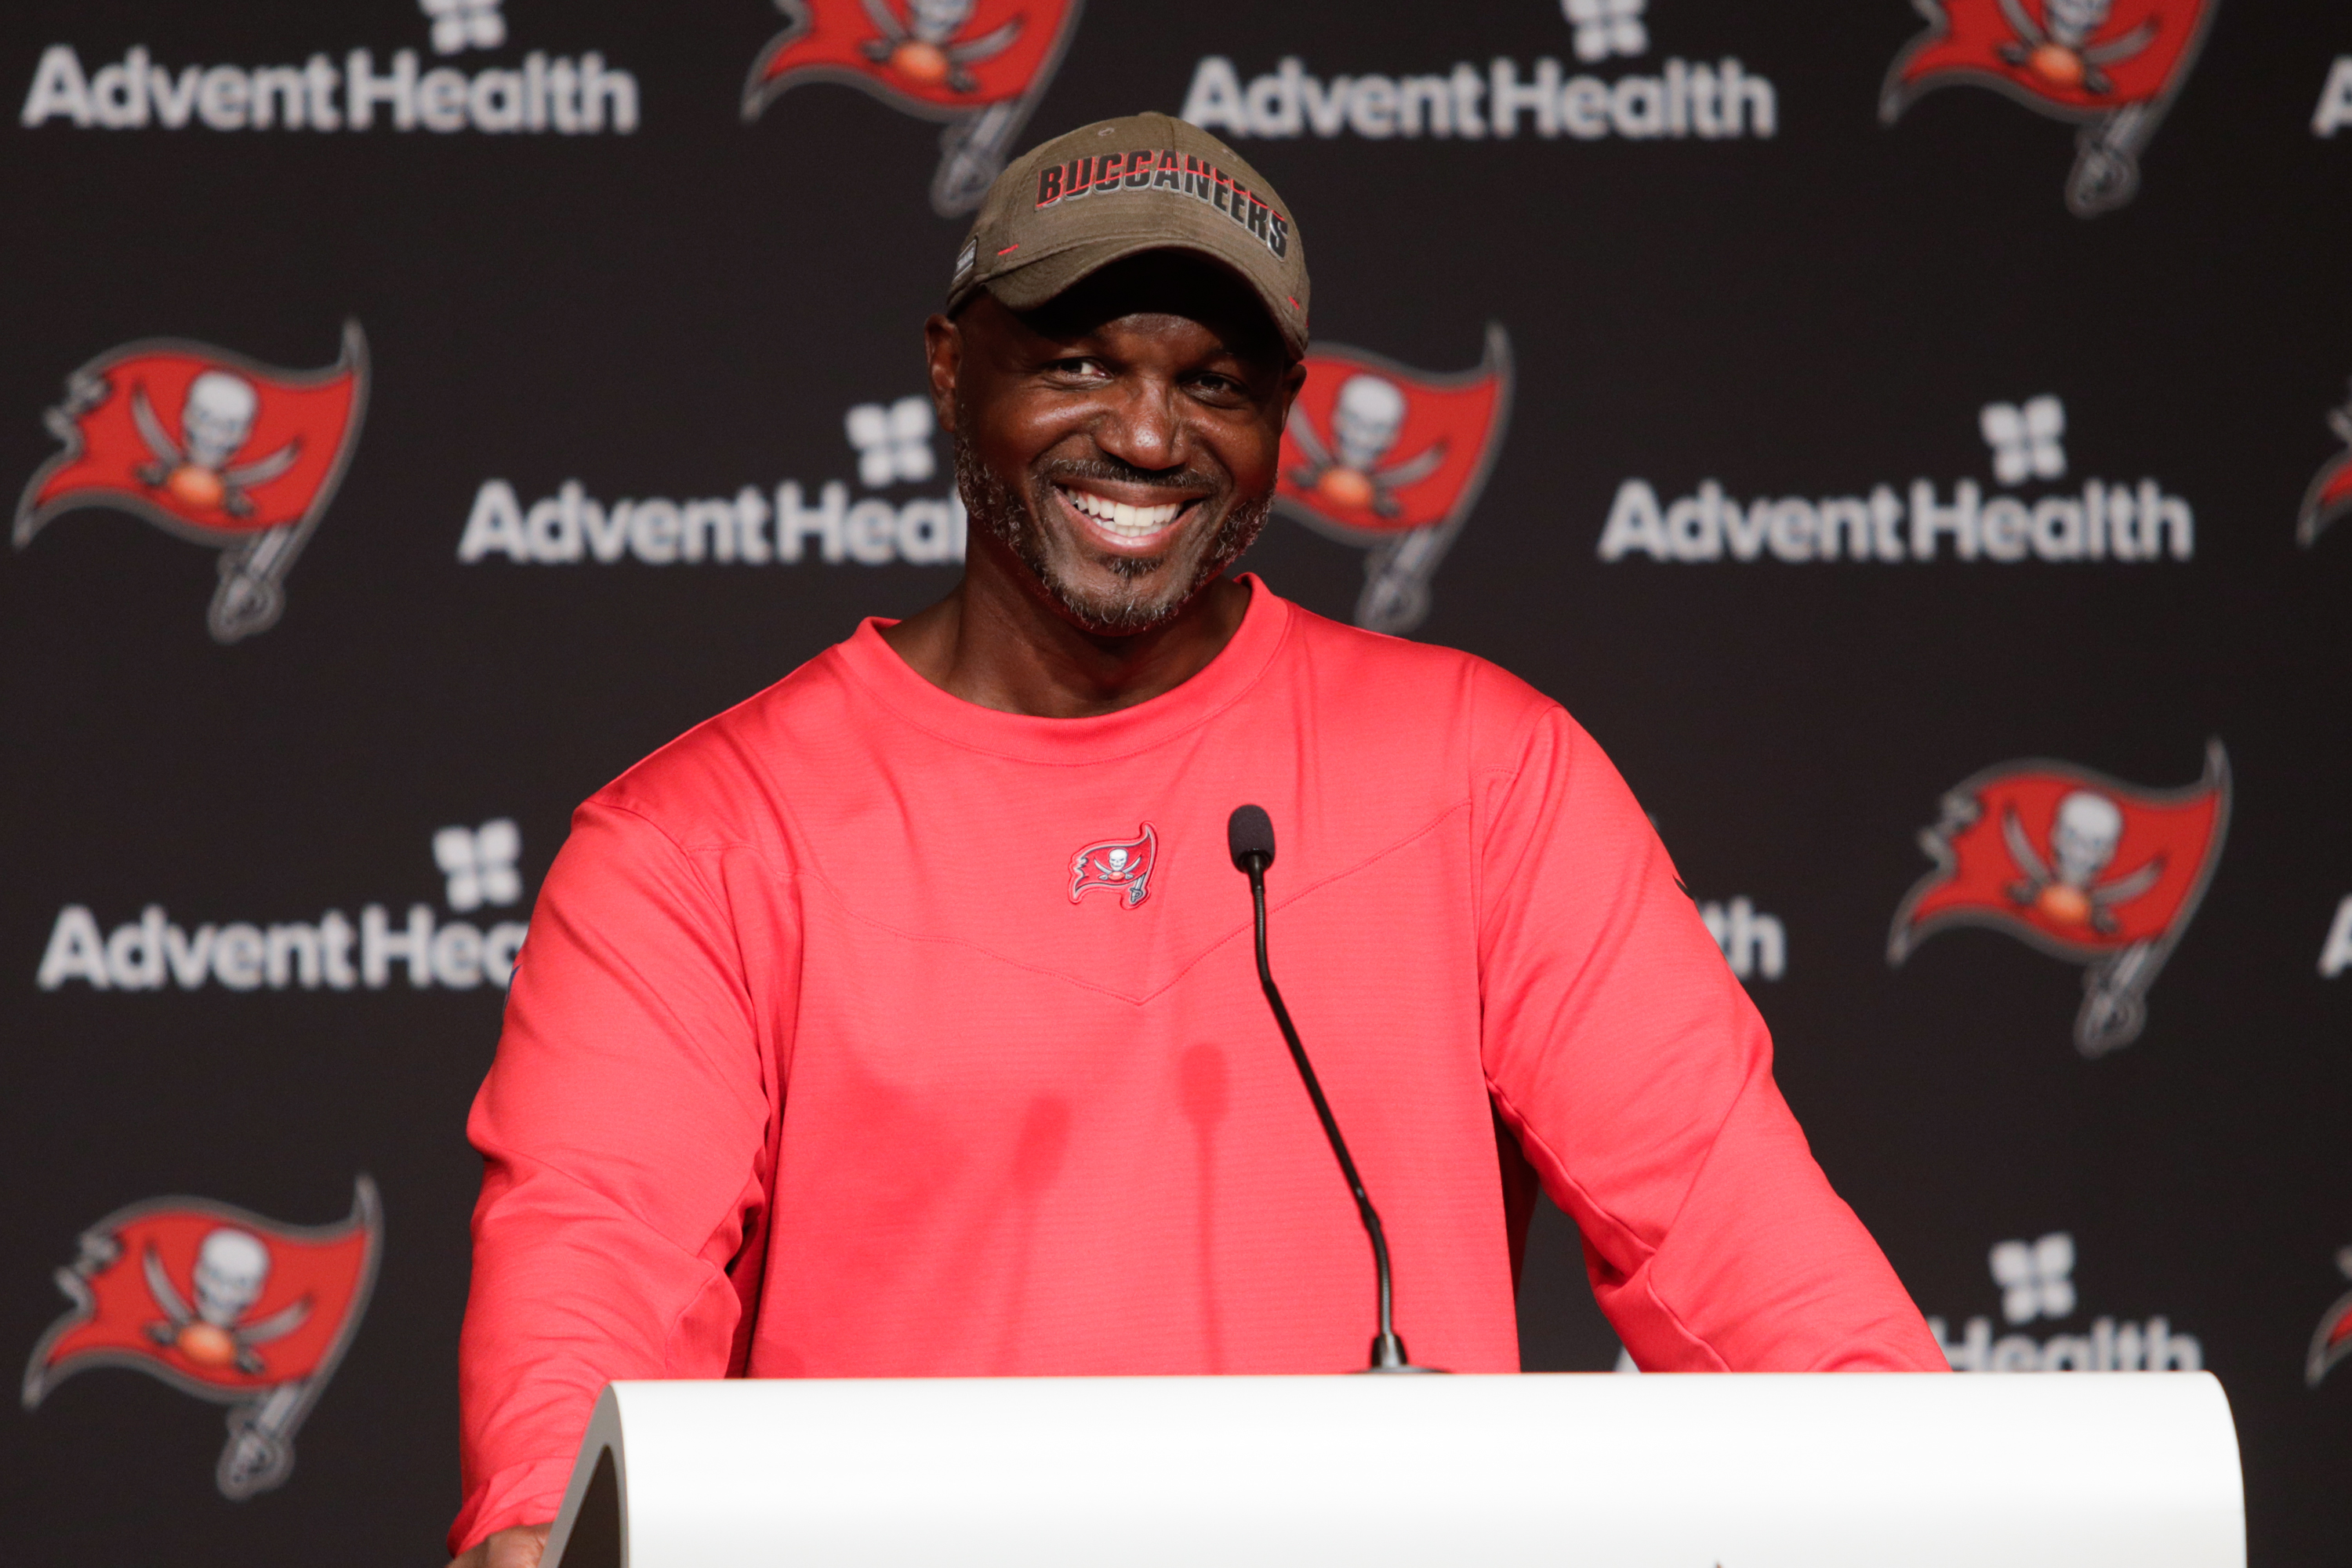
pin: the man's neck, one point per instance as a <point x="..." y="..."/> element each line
<point x="995" y="643"/>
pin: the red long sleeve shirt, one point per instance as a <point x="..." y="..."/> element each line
<point x="842" y="1045"/>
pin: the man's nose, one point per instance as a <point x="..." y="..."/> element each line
<point x="1144" y="425"/>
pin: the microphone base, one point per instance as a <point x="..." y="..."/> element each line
<point x="1387" y="1355"/>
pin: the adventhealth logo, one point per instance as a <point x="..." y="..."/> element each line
<point x="2036" y="1281"/>
<point x="753" y="527"/>
<point x="1681" y="100"/>
<point x="2094" y="521"/>
<point x="156" y="953"/>
<point x="565" y="95"/>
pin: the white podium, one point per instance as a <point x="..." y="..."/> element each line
<point x="1385" y="1472"/>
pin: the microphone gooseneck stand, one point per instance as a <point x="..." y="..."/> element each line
<point x="1249" y="834"/>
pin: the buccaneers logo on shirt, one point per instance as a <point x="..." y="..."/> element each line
<point x="221" y="1304"/>
<point x="2330" y="495"/>
<point x="980" y="65"/>
<point x="2102" y="873"/>
<point x="1381" y="456"/>
<point x="2110" y="66"/>
<point x="213" y="447"/>
<point x="1122" y="866"/>
<point x="2332" y="1340"/>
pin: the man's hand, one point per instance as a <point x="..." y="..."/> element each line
<point x="518" y="1548"/>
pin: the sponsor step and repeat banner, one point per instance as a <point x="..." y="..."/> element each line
<point x="1934" y="501"/>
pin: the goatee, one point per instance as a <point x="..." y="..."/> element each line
<point x="1013" y="519"/>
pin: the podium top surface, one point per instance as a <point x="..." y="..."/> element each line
<point x="1744" y="1470"/>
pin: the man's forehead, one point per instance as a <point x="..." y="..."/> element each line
<point x="1156" y="293"/>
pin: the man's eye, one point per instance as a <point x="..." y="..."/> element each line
<point x="1078" y="367"/>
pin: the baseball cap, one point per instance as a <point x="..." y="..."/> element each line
<point x="1119" y="187"/>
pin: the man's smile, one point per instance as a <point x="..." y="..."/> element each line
<point x="1124" y="519"/>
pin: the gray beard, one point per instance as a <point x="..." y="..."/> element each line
<point x="1012" y="519"/>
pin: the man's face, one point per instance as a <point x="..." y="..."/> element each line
<point x="1120" y="441"/>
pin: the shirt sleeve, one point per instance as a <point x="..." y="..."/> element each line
<point x="1638" y="1077"/>
<point x="625" y="1128"/>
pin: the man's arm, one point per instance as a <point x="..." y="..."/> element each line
<point x="624" y="1129"/>
<point x="521" y="1547"/>
<point x="1638" y="1077"/>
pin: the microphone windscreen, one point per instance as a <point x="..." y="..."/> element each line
<point x="1249" y="831"/>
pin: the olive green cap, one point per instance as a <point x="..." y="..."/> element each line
<point x="1119" y="187"/>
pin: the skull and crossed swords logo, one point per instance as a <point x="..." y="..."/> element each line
<point x="1992" y="870"/>
<point x="2082" y="843"/>
<point x="924" y="47"/>
<point x="2111" y="66"/>
<point x="2059" y="48"/>
<point x="978" y="65"/>
<point x="1122" y="866"/>
<point x="1365" y="423"/>
<point x="1393" y="459"/>
<point x="232" y="1266"/>
<point x="250" y="471"/>
<point x="221" y="1304"/>
<point x="217" y="421"/>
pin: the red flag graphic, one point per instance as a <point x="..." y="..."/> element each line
<point x="2114" y="65"/>
<point x="1381" y="455"/>
<point x="2330" y="495"/>
<point x="2103" y="873"/>
<point x="1123" y="865"/>
<point x="2086" y="56"/>
<point x="211" y="446"/>
<point x="980" y="63"/>
<point x="221" y="1304"/>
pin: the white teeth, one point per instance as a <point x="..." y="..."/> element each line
<point x="1119" y="517"/>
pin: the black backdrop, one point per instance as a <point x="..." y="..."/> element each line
<point x="692" y="305"/>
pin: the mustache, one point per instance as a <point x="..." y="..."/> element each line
<point x="999" y="510"/>
<point x="1112" y="471"/>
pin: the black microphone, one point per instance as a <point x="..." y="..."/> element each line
<point x="1249" y="834"/>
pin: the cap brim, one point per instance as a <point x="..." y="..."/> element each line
<point x="1033" y="284"/>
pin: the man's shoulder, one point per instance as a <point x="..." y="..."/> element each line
<point x="724" y="780"/>
<point x="1393" y="680"/>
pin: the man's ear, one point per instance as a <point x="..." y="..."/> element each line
<point x="943" y="348"/>
<point x="1292" y="380"/>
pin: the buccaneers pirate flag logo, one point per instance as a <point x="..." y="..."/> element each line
<point x="980" y="65"/>
<point x="1379" y="455"/>
<point x="2080" y="866"/>
<point x="1123" y="865"/>
<point x="211" y="446"/>
<point x="221" y="1304"/>
<point x="2330" y="495"/>
<point x="2110" y="66"/>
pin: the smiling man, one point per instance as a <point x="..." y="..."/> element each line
<point x="902" y="1022"/>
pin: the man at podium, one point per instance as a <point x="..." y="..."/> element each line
<point x="902" y="1021"/>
